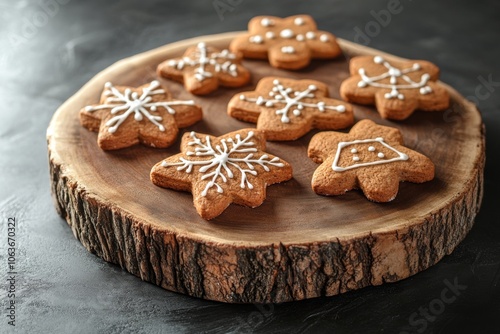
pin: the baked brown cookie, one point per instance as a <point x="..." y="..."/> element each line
<point x="286" y="109"/>
<point x="218" y="171"/>
<point x="203" y="68"/>
<point x="148" y="115"/>
<point x="397" y="88"/>
<point x="370" y="157"/>
<point x="288" y="43"/>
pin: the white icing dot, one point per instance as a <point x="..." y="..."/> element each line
<point x="312" y="87"/>
<point x="371" y="148"/>
<point x="298" y="21"/>
<point x="300" y="37"/>
<point x="378" y="60"/>
<point x="266" y="22"/>
<point x="242" y="97"/>
<point x="108" y="84"/>
<point x="153" y="108"/>
<point x="288" y="49"/>
<point x="341" y="108"/>
<point x="416" y="66"/>
<point x="310" y="35"/>
<point x="270" y="35"/>
<point x="401" y="96"/>
<point x="324" y="38"/>
<point x="287" y="33"/>
<point x="257" y="39"/>
<point x="355" y="158"/>
<point x="354" y="151"/>
<point x="381" y="155"/>
<point x="276" y="82"/>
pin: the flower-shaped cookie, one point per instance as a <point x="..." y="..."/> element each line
<point x="289" y="43"/>
<point x="397" y="88"/>
<point x="371" y="157"/>
<point x="286" y="109"/>
<point x="203" y="68"/>
<point x="218" y="171"/>
<point x="126" y="116"/>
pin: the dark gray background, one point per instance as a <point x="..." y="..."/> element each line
<point x="48" y="52"/>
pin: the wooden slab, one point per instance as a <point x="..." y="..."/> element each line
<point x="296" y="245"/>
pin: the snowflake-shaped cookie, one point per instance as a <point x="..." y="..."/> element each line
<point x="222" y="170"/>
<point x="371" y="157"/>
<point x="286" y="109"/>
<point x="203" y="68"/>
<point x="397" y="88"/>
<point x="288" y="43"/>
<point x="126" y="116"/>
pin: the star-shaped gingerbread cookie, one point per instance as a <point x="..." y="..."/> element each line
<point x="397" y="88"/>
<point x="203" y="68"/>
<point x="218" y="171"/>
<point x="148" y="115"/>
<point x="370" y="157"/>
<point x="286" y="109"/>
<point x="288" y="43"/>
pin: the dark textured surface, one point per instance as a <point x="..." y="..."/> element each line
<point x="62" y="288"/>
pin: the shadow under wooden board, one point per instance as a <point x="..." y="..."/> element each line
<point x="297" y="245"/>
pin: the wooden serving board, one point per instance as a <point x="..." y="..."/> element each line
<point x="297" y="245"/>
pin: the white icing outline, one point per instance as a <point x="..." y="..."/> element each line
<point x="401" y="156"/>
<point x="280" y="95"/>
<point x="203" y="57"/>
<point x="130" y="102"/>
<point x="393" y="73"/>
<point x="222" y="158"/>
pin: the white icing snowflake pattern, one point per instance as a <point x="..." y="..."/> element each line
<point x="281" y="96"/>
<point x="132" y="103"/>
<point x="222" y="62"/>
<point x="394" y="74"/>
<point x="400" y="156"/>
<point x="217" y="168"/>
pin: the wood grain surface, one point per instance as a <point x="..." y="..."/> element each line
<point x="297" y="245"/>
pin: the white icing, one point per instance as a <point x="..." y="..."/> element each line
<point x="300" y="37"/>
<point x="355" y="158"/>
<point x="222" y="157"/>
<point x="353" y="151"/>
<point x="130" y="102"/>
<point x="221" y="62"/>
<point x="299" y="21"/>
<point x="257" y="39"/>
<point x="266" y="22"/>
<point x="288" y="49"/>
<point x="394" y="74"/>
<point x="380" y="155"/>
<point x="371" y="148"/>
<point x="270" y="35"/>
<point x="287" y="33"/>
<point x="324" y="38"/>
<point x="310" y="35"/>
<point x="290" y="98"/>
<point x="401" y="156"/>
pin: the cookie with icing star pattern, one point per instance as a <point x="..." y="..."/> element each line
<point x="218" y="171"/>
<point x="287" y="109"/>
<point x="397" y="88"/>
<point x="289" y="43"/>
<point x="370" y="157"/>
<point x="204" y="68"/>
<point x="126" y="116"/>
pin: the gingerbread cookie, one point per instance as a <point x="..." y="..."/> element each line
<point x="370" y="157"/>
<point x="126" y="116"/>
<point x="203" y="68"/>
<point x="397" y="88"/>
<point x="286" y="109"/>
<point x="288" y="43"/>
<point x="218" y="171"/>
